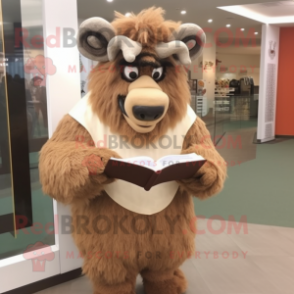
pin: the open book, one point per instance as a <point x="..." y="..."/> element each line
<point x="145" y="172"/>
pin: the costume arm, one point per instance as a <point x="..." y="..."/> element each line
<point x="210" y="178"/>
<point x="71" y="168"/>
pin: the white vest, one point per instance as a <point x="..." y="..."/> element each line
<point x="128" y="195"/>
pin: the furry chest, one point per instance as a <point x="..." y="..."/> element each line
<point x="128" y="195"/>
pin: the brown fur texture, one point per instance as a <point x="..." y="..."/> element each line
<point x="148" y="27"/>
<point x="106" y="84"/>
<point x="118" y="244"/>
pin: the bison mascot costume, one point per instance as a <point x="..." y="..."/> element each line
<point x="138" y="94"/>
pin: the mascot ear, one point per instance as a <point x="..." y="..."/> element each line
<point x="193" y="37"/>
<point x="94" y="35"/>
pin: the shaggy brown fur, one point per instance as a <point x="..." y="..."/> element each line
<point x="117" y="244"/>
<point x="148" y="27"/>
<point x="106" y="83"/>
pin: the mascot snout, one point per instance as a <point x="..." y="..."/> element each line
<point x="145" y="105"/>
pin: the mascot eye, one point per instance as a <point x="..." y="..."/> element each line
<point x="157" y="73"/>
<point x="131" y="73"/>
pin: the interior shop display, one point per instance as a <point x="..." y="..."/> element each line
<point x="223" y="98"/>
<point x="247" y="86"/>
<point x="201" y="106"/>
<point x="223" y="92"/>
<point x="223" y="83"/>
<point x="125" y="114"/>
<point x="235" y="85"/>
<point x="201" y="99"/>
<point x="222" y="105"/>
<point x="243" y="89"/>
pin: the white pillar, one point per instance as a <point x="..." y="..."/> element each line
<point x="63" y="92"/>
<point x="268" y="83"/>
<point x="209" y="55"/>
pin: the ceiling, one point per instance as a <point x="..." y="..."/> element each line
<point x="197" y="11"/>
<point x="274" y="9"/>
<point x="277" y="12"/>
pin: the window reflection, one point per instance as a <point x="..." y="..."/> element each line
<point x="23" y="129"/>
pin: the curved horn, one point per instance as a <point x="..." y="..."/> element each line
<point x="194" y="38"/>
<point x="130" y="49"/>
<point x="93" y="38"/>
<point x="164" y="50"/>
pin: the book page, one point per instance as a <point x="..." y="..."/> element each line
<point x="161" y="163"/>
<point x="169" y="160"/>
<point x="143" y="161"/>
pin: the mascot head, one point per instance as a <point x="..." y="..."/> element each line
<point x="140" y="83"/>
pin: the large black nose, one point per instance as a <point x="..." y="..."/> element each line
<point x="148" y="113"/>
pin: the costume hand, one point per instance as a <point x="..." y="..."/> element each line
<point x="206" y="178"/>
<point x="97" y="161"/>
<point x="206" y="175"/>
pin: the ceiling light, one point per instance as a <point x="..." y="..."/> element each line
<point x="228" y="25"/>
<point x="210" y="20"/>
<point x="242" y="29"/>
<point x="256" y="33"/>
<point x="128" y="14"/>
<point x="109" y="0"/>
<point x="183" y="12"/>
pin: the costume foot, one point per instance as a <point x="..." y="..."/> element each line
<point x="116" y="292"/>
<point x="120" y="292"/>
<point x="124" y="288"/>
<point x="174" y="283"/>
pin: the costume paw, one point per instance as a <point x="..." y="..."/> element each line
<point x="97" y="161"/>
<point x="94" y="164"/>
<point x="207" y="175"/>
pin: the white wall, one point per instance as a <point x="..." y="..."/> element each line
<point x="239" y="59"/>
<point x="208" y="75"/>
<point x="209" y="54"/>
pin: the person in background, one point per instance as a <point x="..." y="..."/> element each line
<point x="34" y="86"/>
<point x="39" y="98"/>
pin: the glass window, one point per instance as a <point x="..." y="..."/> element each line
<point x="26" y="215"/>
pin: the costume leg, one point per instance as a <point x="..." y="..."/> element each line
<point x="126" y="287"/>
<point x="171" y="282"/>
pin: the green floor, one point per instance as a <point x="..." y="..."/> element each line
<point x="43" y="219"/>
<point x="42" y="215"/>
<point x="262" y="189"/>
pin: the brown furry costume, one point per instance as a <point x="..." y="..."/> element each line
<point x="116" y="252"/>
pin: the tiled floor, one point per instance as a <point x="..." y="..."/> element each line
<point x="257" y="260"/>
